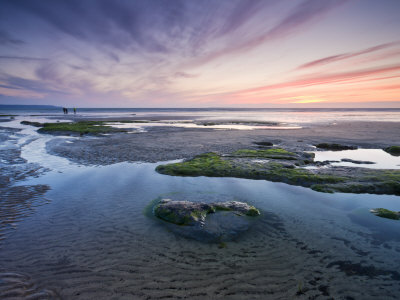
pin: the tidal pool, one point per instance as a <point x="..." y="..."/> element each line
<point x="141" y="127"/>
<point x="381" y="159"/>
<point x="93" y="240"/>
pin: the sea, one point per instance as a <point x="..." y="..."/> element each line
<point x="281" y="115"/>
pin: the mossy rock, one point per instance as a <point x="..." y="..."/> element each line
<point x="194" y="214"/>
<point x="208" y="164"/>
<point x="35" y="124"/>
<point x="268" y="153"/>
<point x="335" y="147"/>
<point x="393" y="150"/>
<point x="264" y="144"/>
<point x="242" y="164"/>
<point x="83" y="127"/>
<point x="386" y="213"/>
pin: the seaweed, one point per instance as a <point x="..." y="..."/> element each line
<point x="83" y="127"/>
<point x="241" y="164"/>
<point x="386" y="213"/>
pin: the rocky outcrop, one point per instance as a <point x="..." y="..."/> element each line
<point x="393" y="150"/>
<point x="358" y="162"/>
<point x="280" y="165"/>
<point x="335" y="147"/>
<point x="386" y="213"/>
<point x="194" y="213"/>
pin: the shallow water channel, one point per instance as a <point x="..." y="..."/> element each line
<point x="93" y="240"/>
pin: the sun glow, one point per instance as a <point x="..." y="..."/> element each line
<point x="307" y="100"/>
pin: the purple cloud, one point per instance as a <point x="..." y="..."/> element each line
<point x="19" y="83"/>
<point x="7" y="39"/>
<point x="184" y="75"/>
<point x="302" y="15"/>
<point x="10" y="57"/>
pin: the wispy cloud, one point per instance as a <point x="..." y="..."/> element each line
<point x="303" y="14"/>
<point x="344" y="56"/>
<point x="184" y="75"/>
<point x="7" y="39"/>
<point x="19" y="83"/>
<point x="324" y="79"/>
<point x="10" y="57"/>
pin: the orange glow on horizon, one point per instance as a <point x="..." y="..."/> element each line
<point x="307" y="100"/>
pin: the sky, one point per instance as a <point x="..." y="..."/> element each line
<point x="198" y="53"/>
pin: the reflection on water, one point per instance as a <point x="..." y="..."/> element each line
<point x="94" y="240"/>
<point x="381" y="159"/>
<point x="141" y="126"/>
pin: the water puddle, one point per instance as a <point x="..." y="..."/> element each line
<point x="141" y="126"/>
<point x="33" y="144"/>
<point x="365" y="158"/>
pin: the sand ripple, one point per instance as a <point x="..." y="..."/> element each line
<point x="21" y="286"/>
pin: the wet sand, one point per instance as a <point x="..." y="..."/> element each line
<point x="17" y="202"/>
<point x="169" y="143"/>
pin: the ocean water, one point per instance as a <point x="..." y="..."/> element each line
<point x="286" y="116"/>
<point x="89" y="237"/>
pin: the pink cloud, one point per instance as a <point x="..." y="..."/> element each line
<point x="334" y="58"/>
<point x="326" y="79"/>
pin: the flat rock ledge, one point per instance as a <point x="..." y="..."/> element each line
<point x="195" y="213"/>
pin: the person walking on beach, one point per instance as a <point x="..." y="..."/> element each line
<point x="74" y="110"/>
<point x="64" y="110"/>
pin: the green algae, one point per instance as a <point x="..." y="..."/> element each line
<point x="83" y="127"/>
<point x="208" y="164"/>
<point x="172" y="217"/>
<point x="240" y="165"/>
<point x="213" y="165"/>
<point x="386" y="213"/>
<point x="298" y="176"/>
<point x="252" y="212"/>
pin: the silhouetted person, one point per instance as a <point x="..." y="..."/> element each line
<point x="64" y="110"/>
<point x="74" y="110"/>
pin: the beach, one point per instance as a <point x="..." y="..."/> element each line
<point x="74" y="222"/>
<point x="170" y="143"/>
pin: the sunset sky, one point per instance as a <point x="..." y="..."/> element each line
<point x="195" y="53"/>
